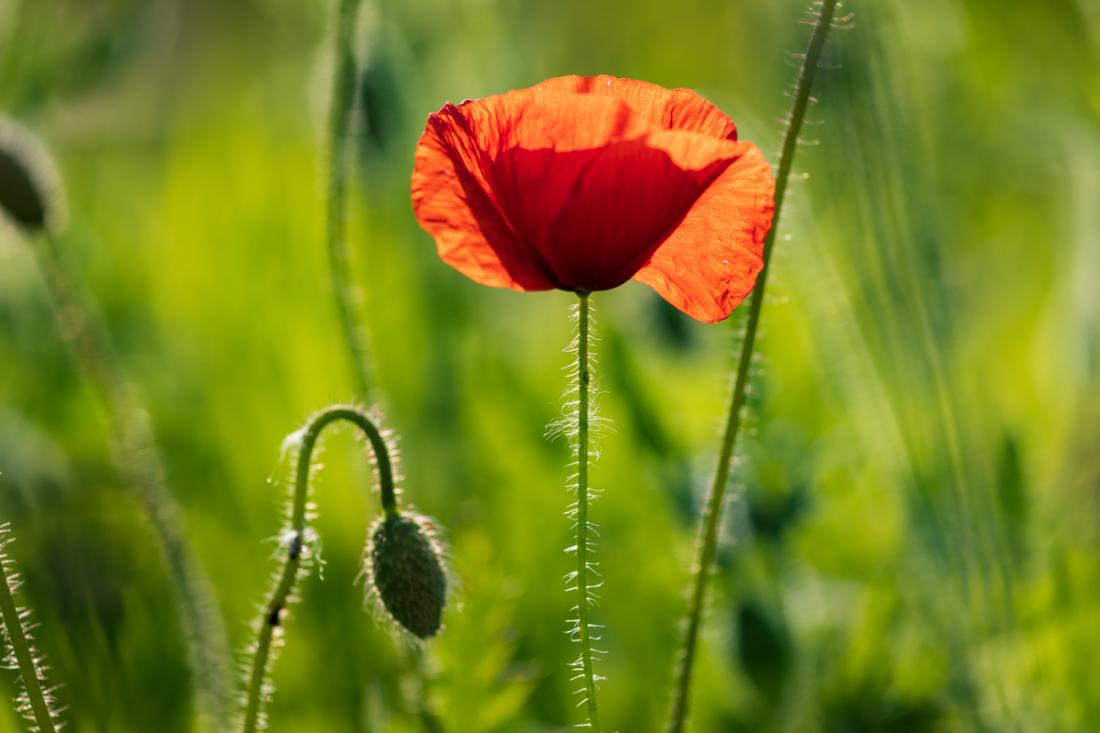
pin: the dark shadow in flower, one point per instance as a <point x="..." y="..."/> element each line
<point x="591" y="218"/>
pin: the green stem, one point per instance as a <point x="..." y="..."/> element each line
<point x="24" y="654"/>
<point x="297" y="543"/>
<point x="344" y="79"/>
<point x="708" y="529"/>
<point x="139" y="464"/>
<point x="584" y="632"/>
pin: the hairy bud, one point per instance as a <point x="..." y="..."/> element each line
<point x="406" y="571"/>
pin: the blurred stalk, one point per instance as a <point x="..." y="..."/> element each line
<point x="711" y="520"/>
<point x="429" y="720"/>
<point x="34" y="704"/>
<point x="344" y="89"/>
<point x="344" y="78"/>
<point x="140" y="466"/>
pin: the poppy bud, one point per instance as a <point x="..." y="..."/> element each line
<point x="28" y="190"/>
<point x="407" y="573"/>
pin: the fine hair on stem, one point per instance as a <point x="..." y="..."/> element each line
<point x="578" y="425"/>
<point x="36" y="701"/>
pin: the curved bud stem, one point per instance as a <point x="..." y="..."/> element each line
<point x="297" y="540"/>
<point x="708" y="528"/>
<point x="360" y="419"/>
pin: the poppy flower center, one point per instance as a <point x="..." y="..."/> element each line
<point x="591" y="218"/>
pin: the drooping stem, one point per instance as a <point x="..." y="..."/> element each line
<point x="344" y="79"/>
<point x="22" y="651"/>
<point x="139" y="464"/>
<point x="584" y="629"/>
<point x="711" y="520"/>
<point x="297" y="540"/>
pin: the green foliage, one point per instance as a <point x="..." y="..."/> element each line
<point x="916" y="515"/>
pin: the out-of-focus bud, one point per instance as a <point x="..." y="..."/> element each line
<point x="30" y="193"/>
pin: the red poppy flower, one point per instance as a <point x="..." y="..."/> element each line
<point x="582" y="183"/>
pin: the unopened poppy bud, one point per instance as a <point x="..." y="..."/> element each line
<point x="29" y="194"/>
<point x="407" y="573"/>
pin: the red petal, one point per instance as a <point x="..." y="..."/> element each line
<point x="670" y="109"/>
<point x="709" y="264"/>
<point x="454" y="203"/>
<point x="485" y="216"/>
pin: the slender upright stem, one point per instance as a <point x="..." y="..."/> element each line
<point x="297" y="538"/>
<point x="139" y="464"/>
<point x="584" y="631"/>
<point x="344" y="78"/>
<point x="24" y="654"/>
<point x="711" y="520"/>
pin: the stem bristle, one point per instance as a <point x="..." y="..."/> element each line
<point x="578" y="424"/>
<point x="35" y="702"/>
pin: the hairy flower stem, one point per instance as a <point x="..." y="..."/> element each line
<point x="297" y="541"/>
<point x="138" y="462"/>
<point x="708" y="528"/>
<point x="584" y="630"/>
<point x="21" y="649"/>
<point x="344" y="79"/>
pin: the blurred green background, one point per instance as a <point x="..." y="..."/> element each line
<point x="914" y="542"/>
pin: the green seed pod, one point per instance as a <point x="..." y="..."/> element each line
<point x="29" y="194"/>
<point x="407" y="573"/>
